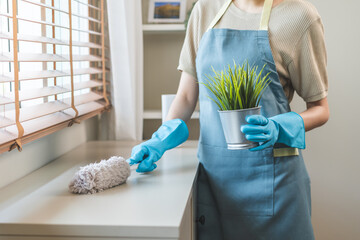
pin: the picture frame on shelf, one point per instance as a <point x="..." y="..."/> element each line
<point x="167" y="11"/>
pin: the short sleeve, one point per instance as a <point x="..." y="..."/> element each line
<point x="307" y="69"/>
<point x="191" y="43"/>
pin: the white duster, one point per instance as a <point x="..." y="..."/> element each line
<point x="97" y="177"/>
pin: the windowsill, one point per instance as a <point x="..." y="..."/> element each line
<point x="148" y="205"/>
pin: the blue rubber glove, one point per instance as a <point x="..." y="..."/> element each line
<point x="170" y="134"/>
<point x="287" y="128"/>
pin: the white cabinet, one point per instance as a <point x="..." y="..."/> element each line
<point x="157" y="205"/>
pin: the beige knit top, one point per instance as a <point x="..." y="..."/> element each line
<point x="296" y="37"/>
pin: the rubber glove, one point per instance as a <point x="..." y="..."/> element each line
<point x="170" y="134"/>
<point x="287" y="128"/>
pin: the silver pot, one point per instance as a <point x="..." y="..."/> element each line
<point x="231" y="122"/>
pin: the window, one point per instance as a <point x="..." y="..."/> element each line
<point x="56" y="74"/>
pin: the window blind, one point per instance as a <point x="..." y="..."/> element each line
<point x="53" y="67"/>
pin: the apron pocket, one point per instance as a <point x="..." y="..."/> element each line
<point x="242" y="181"/>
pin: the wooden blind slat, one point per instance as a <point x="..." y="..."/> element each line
<point x="85" y="98"/>
<point x="6" y="143"/>
<point x="7" y="136"/>
<point x="35" y="93"/>
<point x="87" y="31"/>
<point x="6" y="57"/>
<point x="85" y="108"/>
<point x="58" y="25"/>
<point x="88" y="18"/>
<point x="86" y="44"/>
<point x="29" y="113"/>
<point x="81" y="71"/>
<point x="51" y="24"/>
<point x="44" y="122"/>
<point x="48" y="74"/>
<point x="43" y="57"/>
<point x="5" y="100"/>
<point x="87" y="84"/>
<point x="5" y="15"/>
<point x="6" y="78"/>
<point x="41" y="74"/>
<point x="42" y="22"/>
<point x="34" y="57"/>
<point x="6" y="121"/>
<point x="40" y="39"/>
<point x="91" y="58"/>
<point x="33" y="112"/>
<point x="57" y="9"/>
<point x="44" y="5"/>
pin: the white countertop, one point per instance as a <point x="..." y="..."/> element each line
<point x="149" y="204"/>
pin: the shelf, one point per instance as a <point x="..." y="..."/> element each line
<point x="89" y="5"/>
<point x="163" y="28"/>
<point x="156" y="114"/>
<point x="152" y="114"/>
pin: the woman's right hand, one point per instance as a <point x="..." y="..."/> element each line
<point x="173" y="131"/>
<point x="170" y="134"/>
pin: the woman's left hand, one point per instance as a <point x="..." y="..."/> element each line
<point x="287" y="128"/>
<point x="261" y="129"/>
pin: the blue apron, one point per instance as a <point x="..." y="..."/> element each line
<point x="242" y="194"/>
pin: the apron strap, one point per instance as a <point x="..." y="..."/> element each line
<point x="219" y="14"/>
<point x="264" y="16"/>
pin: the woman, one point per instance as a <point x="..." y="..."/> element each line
<point x="264" y="192"/>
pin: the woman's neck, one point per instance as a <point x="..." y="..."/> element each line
<point x="252" y="6"/>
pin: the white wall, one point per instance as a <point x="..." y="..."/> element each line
<point x="332" y="154"/>
<point x="14" y="164"/>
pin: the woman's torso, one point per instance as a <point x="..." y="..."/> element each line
<point x="288" y="23"/>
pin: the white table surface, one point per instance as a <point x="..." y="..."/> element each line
<point x="148" y="205"/>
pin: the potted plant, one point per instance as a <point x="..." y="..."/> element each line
<point x="237" y="92"/>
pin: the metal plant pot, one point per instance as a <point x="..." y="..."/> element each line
<point x="231" y="122"/>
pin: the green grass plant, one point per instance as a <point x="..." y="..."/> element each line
<point x="240" y="87"/>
